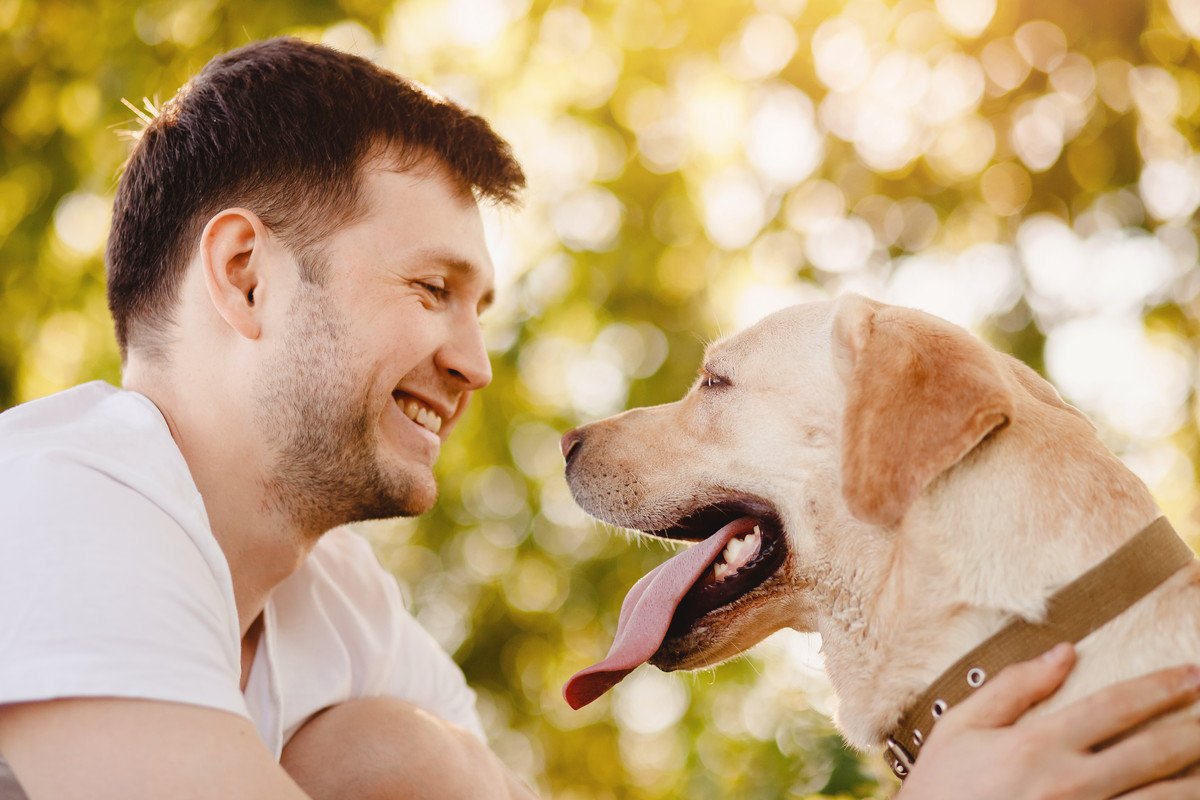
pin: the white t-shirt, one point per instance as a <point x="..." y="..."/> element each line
<point x="111" y="584"/>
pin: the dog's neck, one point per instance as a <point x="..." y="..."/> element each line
<point x="900" y="605"/>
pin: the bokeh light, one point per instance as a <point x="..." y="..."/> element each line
<point x="1026" y="170"/>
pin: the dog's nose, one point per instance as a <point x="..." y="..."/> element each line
<point x="570" y="443"/>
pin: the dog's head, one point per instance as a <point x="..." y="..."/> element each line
<point x="828" y="425"/>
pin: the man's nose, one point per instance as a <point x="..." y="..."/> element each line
<point x="465" y="357"/>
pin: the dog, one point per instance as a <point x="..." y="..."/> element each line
<point x="882" y="477"/>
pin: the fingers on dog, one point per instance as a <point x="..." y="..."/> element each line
<point x="1115" y="709"/>
<point x="1156" y="753"/>
<point x="1017" y="688"/>
<point x="1178" y="789"/>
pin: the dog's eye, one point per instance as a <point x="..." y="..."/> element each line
<point x="708" y="380"/>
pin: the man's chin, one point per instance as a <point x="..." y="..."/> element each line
<point x="411" y="495"/>
<point x="419" y="501"/>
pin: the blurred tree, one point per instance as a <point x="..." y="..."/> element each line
<point x="1025" y="169"/>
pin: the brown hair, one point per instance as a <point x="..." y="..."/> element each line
<point x="281" y="127"/>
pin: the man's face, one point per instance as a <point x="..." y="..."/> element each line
<point x="376" y="364"/>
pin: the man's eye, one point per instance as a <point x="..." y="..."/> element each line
<point x="439" y="292"/>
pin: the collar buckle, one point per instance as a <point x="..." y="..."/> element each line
<point x="901" y="761"/>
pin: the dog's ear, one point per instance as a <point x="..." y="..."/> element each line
<point x="920" y="394"/>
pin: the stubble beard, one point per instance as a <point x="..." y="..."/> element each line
<point x="319" y="421"/>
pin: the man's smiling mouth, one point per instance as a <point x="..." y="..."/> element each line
<point x="418" y="411"/>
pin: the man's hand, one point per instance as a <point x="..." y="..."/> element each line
<point x="976" y="751"/>
<point x="114" y="749"/>
<point x="381" y="748"/>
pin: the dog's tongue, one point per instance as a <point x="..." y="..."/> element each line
<point x="646" y="614"/>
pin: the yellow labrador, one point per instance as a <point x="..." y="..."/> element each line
<point x="882" y="477"/>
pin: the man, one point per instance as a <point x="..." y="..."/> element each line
<point x="296" y="269"/>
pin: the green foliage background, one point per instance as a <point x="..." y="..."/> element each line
<point x="635" y="119"/>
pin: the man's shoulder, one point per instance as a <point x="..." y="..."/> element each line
<point x="96" y="467"/>
<point x="99" y="427"/>
<point x="112" y="582"/>
<point x="77" y="415"/>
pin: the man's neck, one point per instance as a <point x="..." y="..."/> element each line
<point x="261" y="544"/>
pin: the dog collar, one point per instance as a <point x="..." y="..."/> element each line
<point x="1074" y="611"/>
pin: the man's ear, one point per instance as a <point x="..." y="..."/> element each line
<point x="920" y="394"/>
<point x="231" y="248"/>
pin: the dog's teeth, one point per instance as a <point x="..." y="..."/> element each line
<point x="737" y="554"/>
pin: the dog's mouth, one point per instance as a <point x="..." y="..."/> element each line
<point x="740" y="543"/>
<point x="746" y="561"/>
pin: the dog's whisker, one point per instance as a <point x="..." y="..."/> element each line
<point x="751" y="661"/>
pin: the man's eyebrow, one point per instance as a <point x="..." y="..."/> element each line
<point x="466" y="269"/>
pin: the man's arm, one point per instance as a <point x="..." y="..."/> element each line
<point x="118" y="749"/>
<point x="381" y="748"/>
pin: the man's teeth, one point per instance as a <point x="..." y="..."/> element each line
<point x="422" y="415"/>
<point x="737" y="554"/>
